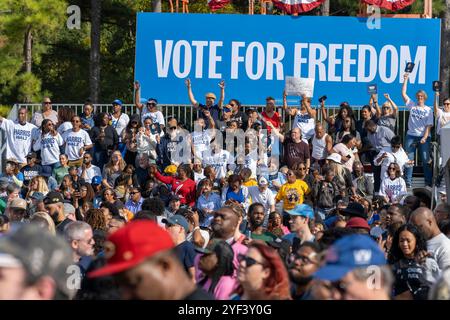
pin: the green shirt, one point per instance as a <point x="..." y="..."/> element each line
<point x="265" y="236"/>
<point x="59" y="173"/>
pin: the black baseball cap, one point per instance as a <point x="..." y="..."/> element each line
<point x="53" y="197"/>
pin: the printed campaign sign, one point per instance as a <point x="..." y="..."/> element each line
<point x="254" y="54"/>
<point x="299" y="86"/>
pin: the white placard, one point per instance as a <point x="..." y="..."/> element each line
<point x="299" y="86"/>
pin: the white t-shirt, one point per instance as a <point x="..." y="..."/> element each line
<point x="49" y="146"/>
<point x="306" y="123"/>
<point x="198" y="177"/>
<point x="393" y="188"/>
<point x="442" y="119"/>
<point x="74" y="142"/>
<point x="219" y="161"/>
<point x="18" y="139"/>
<point x="439" y="247"/>
<point x="157" y="117"/>
<point x="64" y="127"/>
<point x="418" y="119"/>
<point x="120" y="123"/>
<point x="266" y="198"/>
<point x="91" y="172"/>
<point x="400" y="157"/>
<point x="344" y="151"/>
<point x="200" y="142"/>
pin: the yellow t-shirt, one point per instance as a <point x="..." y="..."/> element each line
<point x="250" y="183"/>
<point x="292" y="194"/>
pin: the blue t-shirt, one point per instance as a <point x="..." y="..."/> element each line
<point x="186" y="253"/>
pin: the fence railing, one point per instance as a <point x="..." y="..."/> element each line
<point x="185" y="114"/>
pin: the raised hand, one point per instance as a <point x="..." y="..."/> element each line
<point x="387" y="96"/>
<point x="188" y="82"/>
<point x="137" y="85"/>
<point x="222" y="84"/>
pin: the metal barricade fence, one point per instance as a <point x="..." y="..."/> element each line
<point x="186" y="115"/>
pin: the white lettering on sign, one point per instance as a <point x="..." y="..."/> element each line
<point x="334" y="62"/>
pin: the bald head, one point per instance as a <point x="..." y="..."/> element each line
<point x="320" y="131"/>
<point x="424" y="219"/>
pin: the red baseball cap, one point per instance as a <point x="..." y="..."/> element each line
<point x="131" y="245"/>
<point x="357" y="222"/>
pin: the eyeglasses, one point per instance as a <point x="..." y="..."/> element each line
<point x="134" y="192"/>
<point x="303" y="259"/>
<point x="47" y="102"/>
<point x="392" y="169"/>
<point x="248" y="261"/>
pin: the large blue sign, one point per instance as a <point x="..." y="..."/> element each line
<point x="254" y="54"/>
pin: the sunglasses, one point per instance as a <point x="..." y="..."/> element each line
<point x="134" y="122"/>
<point x="392" y="169"/>
<point x="134" y="192"/>
<point x="47" y="103"/>
<point x="386" y="108"/>
<point x="151" y="104"/>
<point x="248" y="261"/>
<point x="302" y="168"/>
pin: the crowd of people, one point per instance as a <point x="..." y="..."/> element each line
<point x="239" y="205"/>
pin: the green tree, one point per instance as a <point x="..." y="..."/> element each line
<point x="23" y="29"/>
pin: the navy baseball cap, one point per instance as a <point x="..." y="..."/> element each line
<point x="177" y="219"/>
<point x="46" y="171"/>
<point x="348" y="253"/>
<point x="302" y="210"/>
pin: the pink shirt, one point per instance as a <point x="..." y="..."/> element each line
<point x="224" y="288"/>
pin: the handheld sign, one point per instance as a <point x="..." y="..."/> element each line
<point x="409" y="67"/>
<point x="372" y="89"/>
<point x="437" y="86"/>
<point x="299" y="86"/>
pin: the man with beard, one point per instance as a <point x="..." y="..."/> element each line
<point x="255" y="229"/>
<point x="303" y="264"/>
<point x="225" y="225"/>
<point x="88" y="171"/>
<point x="54" y="205"/>
<point x="396" y="213"/>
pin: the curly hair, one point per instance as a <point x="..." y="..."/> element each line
<point x="96" y="219"/>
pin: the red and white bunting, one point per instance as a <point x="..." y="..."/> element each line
<point x="217" y="4"/>
<point x="297" y="6"/>
<point x="393" y="5"/>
